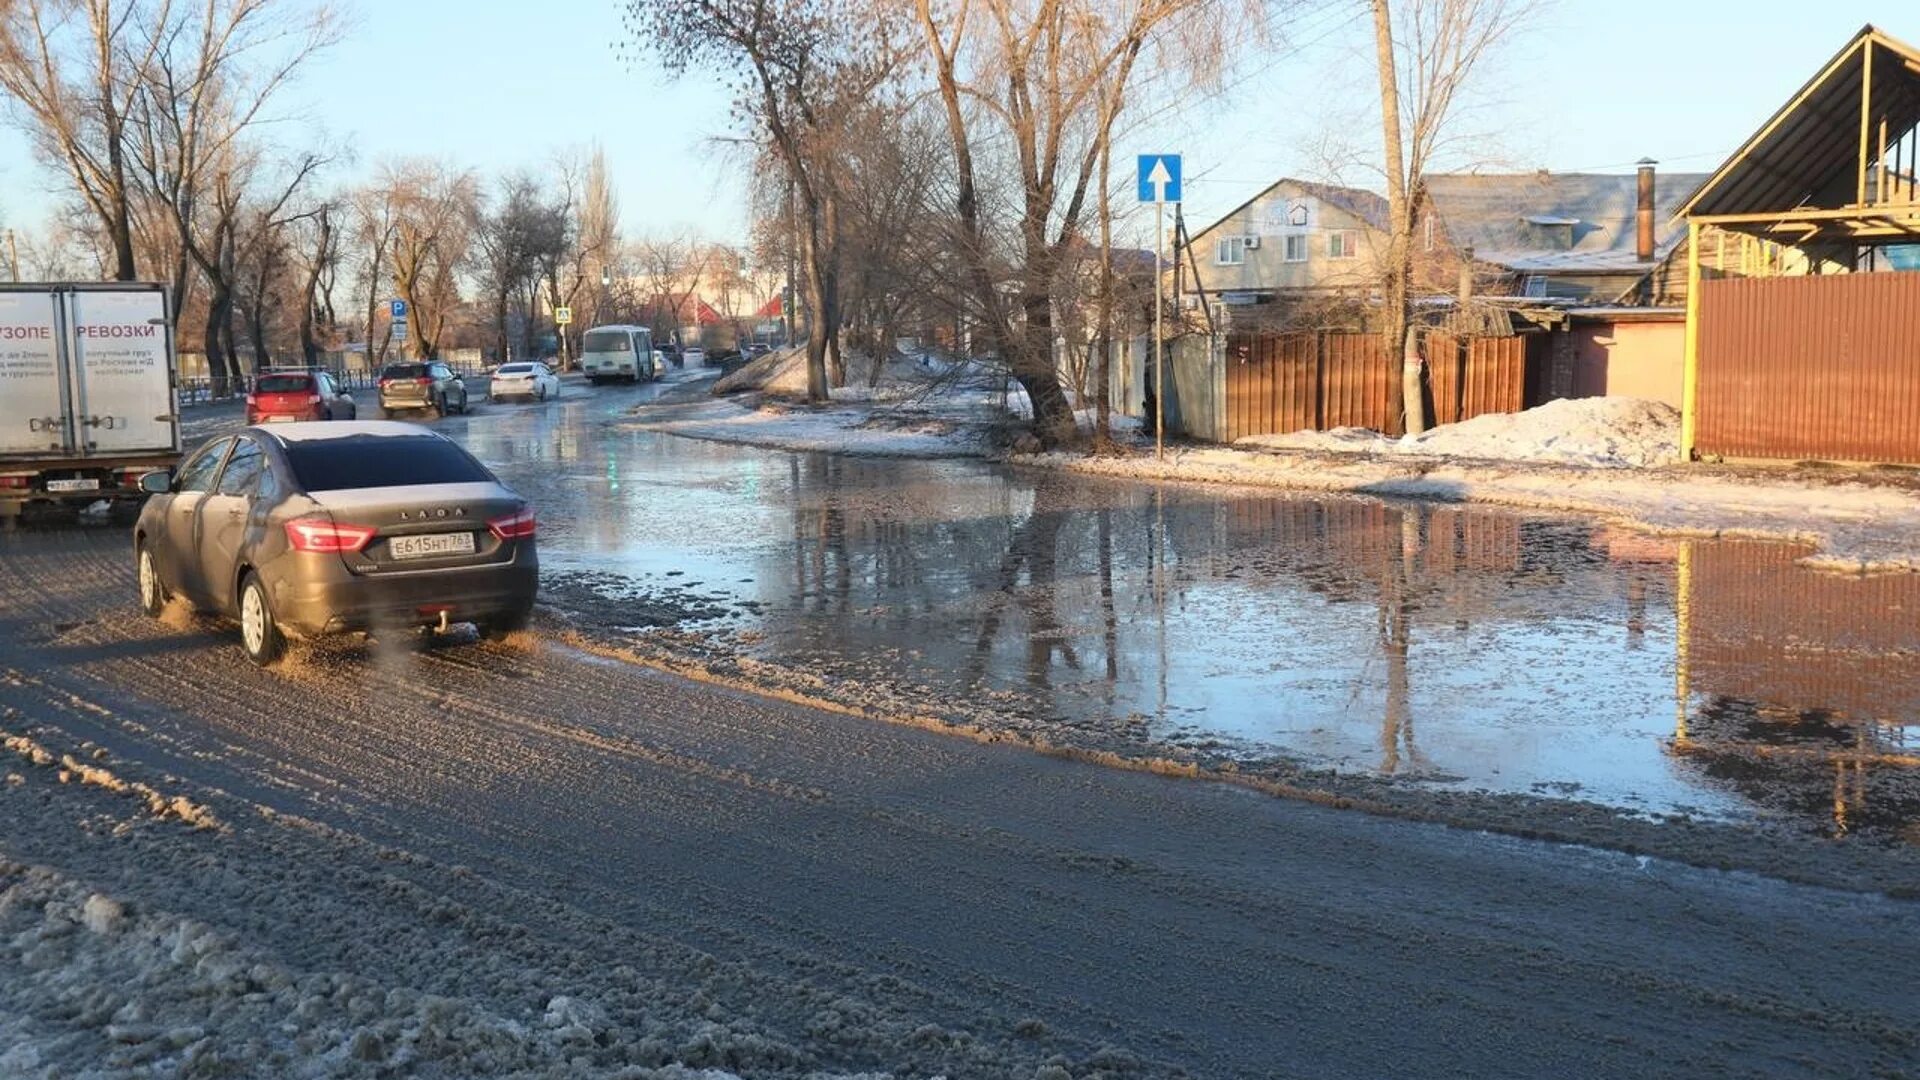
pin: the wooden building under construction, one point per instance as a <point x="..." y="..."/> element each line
<point x="1803" y="315"/>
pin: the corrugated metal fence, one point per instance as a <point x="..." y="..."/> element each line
<point x="1810" y="368"/>
<point x="1316" y="381"/>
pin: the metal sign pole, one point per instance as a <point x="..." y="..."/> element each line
<point x="1159" y="341"/>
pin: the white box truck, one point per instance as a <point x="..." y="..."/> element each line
<point x="87" y="402"/>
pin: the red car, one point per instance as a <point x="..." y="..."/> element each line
<point x="279" y="396"/>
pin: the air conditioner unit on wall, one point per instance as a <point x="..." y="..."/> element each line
<point x="1253" y="243"/>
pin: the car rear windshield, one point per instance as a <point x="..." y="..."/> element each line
<point x="283" y="384"/>
<point x="515" y="369"/>
<point x="404" y="371"/>
<point x="370" y="461"/>
<point x="607" y="341"/>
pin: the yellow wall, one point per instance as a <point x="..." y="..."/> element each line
<point x="1630" y="359"/>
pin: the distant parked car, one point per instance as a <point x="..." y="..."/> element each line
<point x="309" y="529"/>
<point x="422" y="386"/>
<point x="297" y="394"/>
<point x="526" y="380"/>
<point x="672" y="352"/>
<point x="696" y="356"/>
<point x="757" y="349"/>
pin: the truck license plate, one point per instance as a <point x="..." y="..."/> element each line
<point x="421" y="547"/>
<point x="73" y="485"/>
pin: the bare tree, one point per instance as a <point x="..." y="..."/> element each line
<point x="670" y="267"/>
<point x="72" y="87"/>
<point x="1046" y="78"/>
<point x="508" y="263"/>
<point x="599" y="230"/>
<point x="374" y="226"/>
<point x="436" y="210"/>
<point x="191" y="134"/>
<point x="809" y="65"/>
<point x="316" y="250"/>
<point x="1427" y="52"/>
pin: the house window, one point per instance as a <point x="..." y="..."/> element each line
<point x="1233" y="251"/>
<point x="1534" y="286"/>
<point x="1344" y="244"/>
<point x="1296" y="245"/>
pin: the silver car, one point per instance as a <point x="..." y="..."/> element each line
<point x="305" y="529"/>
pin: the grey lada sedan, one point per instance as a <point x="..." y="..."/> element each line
<point x="306" y="529"/>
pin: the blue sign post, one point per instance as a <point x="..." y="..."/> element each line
<point x="399" y="309"/>
<point x="1159" y="184"/>
<point x="1159" y="178"/>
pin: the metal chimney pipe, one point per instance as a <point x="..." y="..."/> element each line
<point x="1643" y="245"/>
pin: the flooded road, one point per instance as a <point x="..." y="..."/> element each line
<point x="1453" y="647"/>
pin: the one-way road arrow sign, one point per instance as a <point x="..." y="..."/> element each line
<point x="1159" y="178"/>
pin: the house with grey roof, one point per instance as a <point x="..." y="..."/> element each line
<point x="1294" y="242"/>
<point x="1587" y="237"/>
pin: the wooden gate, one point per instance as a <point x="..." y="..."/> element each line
<point x="1318" y="381"/>
<point x="1810" y="368"/>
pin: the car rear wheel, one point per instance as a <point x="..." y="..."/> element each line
<point x="260" y="636"/>
<point x="153" y="593"/>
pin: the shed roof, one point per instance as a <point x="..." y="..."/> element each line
<point x="1807" y="155"/>
<point x="1495" y="213"/>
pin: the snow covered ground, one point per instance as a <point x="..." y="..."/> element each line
<point x="1613" y="457"/>
<point x="1853" y="526"/>
<point x="841" y="430"/>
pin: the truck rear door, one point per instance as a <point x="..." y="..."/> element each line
<point x="123" y="385"/>
<point x="33" y="413"/>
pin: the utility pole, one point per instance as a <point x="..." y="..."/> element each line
<point x="13" y="256"/>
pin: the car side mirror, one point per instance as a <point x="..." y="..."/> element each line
<point x="156" y="483"/>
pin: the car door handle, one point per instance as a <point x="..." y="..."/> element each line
<point x="236" y="514"/>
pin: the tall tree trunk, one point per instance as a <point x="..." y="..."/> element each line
<point x="220" y="364"/>
<point x="1102" y="382"/>
<point x="815" y="288"/>
<point x="1396" y="275"/>
<point x="257" y="314"/>
<point x="310" y="295"/>
<point x="376" y="354"/>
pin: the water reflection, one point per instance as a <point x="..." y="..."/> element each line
<point x="1800" y="691"/>
<point x="1451" y="646"/>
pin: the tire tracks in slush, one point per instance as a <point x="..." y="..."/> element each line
<point x="978" y="885"/>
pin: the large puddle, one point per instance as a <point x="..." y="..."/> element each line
<point x="1452" y="646"/>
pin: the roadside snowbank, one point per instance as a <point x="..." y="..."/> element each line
<point x="1854" y="527"/>
<point x="859" y="431"/>
<point x="1595" y="432"/>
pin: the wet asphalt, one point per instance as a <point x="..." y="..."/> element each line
<point x="1035" y="905"/>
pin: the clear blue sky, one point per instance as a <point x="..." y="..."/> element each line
<point x="1595" y="85"/>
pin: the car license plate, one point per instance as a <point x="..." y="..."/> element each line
<point x="73" y="485"/>
<point x="279" y="418"/>
<point x="423" y="547"/>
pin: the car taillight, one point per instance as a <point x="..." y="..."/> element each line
<point x="313" y="534"/>
<point x="313" y="399"/>
<point x="16" y="482"/>
<point x="515" y="526"/>
<point x="249" y="401"/>
<point x="424" y="381"/>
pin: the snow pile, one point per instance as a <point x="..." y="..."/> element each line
<point x="90" y="987"/>
<point x="857" y="431"/>
<point x="1604" y="432"/>
<point x="782" y="371"/>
